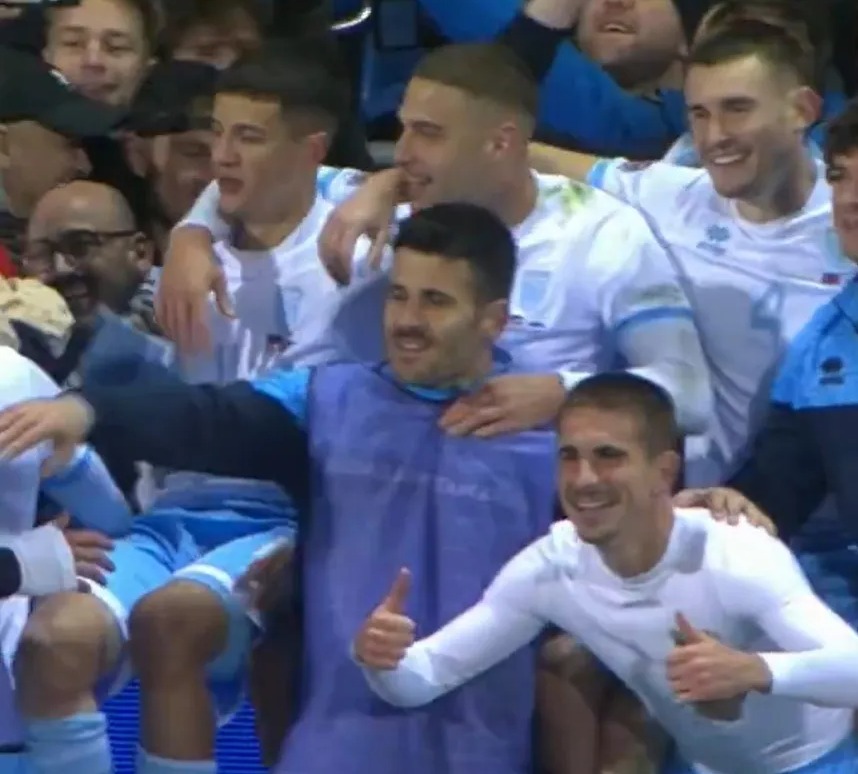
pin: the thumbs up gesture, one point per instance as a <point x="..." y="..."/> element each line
<point x="387" y="634"/>
<point x="712" y="676"/>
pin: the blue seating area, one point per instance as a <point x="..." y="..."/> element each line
<point x="237" y="748"/>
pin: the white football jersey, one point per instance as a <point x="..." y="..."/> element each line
<point x="752" y="286"/>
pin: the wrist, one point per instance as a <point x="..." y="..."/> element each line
<point x="758" y="677"/>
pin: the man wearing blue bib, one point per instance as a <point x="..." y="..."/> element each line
<point x="385" y="487"/>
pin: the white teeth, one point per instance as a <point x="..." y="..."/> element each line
<point x="724" y="160"/>
<point x="411" y="346"/>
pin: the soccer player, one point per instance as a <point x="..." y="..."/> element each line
<point x="684" y="611"/>
<point x="386" y="487"/>
<point x="751" y="231"/>
<point x="37" y="561"/>
<point x="593" y="287"/>
<point x="273" y="114"/>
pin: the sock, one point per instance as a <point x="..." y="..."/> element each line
<point x="76" y="743"/>
<point x="152" y="764"/>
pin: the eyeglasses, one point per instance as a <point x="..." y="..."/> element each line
<point x="76" y="247"/>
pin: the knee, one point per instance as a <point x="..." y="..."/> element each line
<point x="561" y="657"/>
<point x="68" y="641"/>
<point x="182" y="621"/>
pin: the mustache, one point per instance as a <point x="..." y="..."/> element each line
<point x="74" y="279"/>
<point x="411" y="333"/>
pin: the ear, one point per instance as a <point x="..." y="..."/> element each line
<point x="495" y="317"/>
<point x="5" y="151"/>
<point x="318" y="144"/>
<point x="504" y="138"/>
<point x="669" y="464"/>
<point x="138" y="152"/>
<point x="806" y="107"/>
<point x="144" y="253"/>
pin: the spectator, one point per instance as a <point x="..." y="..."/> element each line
<point x="103" y="47"/>
<point x="452" y="273"/>
<point x="169" y="144"/>
<point x="43" y="125"/>
<point x="215" y="32"/>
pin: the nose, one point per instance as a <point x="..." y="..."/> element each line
<point x="618" y="5"/>
<point x="585" y="474"/>
<point x="402" y="149"/>
<point x="93" y="54"/>
<point x="223" y="152"/>
<point x="714" y="133"/>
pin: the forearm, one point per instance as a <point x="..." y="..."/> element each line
<point x="85" y="489"/>
<point x="536" y="33"/>
<point x="668" y="353"/>
<point x="230" y="431"/>
<point x="557" y="161"/>
<point x="478" y="639"/>
<point x="827" y="676"/>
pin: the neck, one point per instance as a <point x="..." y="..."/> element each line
<point x="635" y="554"/>
<point x="516" y="197"/>
<point x="267" y="234"/>
<point x="671" y="77"/>
<point x="787" y="196"/>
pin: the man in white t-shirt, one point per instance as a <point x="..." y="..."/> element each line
<point x="714" y="628"/>
<point x="170" y="598"/>
<point x="593" y="287"/>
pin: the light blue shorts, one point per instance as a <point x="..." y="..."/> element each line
<point x="843" y="759"/>
<point x="158" y="550"/>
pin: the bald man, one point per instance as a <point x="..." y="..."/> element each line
<point x="82" y="241"/>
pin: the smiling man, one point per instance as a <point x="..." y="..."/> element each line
<point x="628" y="575"/>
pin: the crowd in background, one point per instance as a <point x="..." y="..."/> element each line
<point x="315" y="313"/>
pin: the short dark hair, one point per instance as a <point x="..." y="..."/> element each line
<point x="465" y="232"/>
<point x="751" y="37"/>
<point x="626" y="393"/>
<point x="181" y="16"/>
<point x="303" y="80"/>
<point x="841" y="133"/>
<point x="489" y="71"/>
<point x="797" y="17"/>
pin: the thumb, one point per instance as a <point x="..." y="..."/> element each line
<point x="221" y="294"/>
<point x="398" y="594"/>
<point x="685" y="633"/>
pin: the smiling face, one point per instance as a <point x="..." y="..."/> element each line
<point x="609" y="480"/>
<point x="438" y="333"/>
<point x="632" y="38"/>
<point x="746" y="120"/>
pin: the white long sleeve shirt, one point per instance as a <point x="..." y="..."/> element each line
<point x="737" y="583"/>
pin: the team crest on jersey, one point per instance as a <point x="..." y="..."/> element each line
<point x="715" y="240"/>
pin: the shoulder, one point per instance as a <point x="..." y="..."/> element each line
<point x="815" y="344"/>
<point x="672" y="178"/>
<point x="746" y="562"/>
<point x="537" y="566"/>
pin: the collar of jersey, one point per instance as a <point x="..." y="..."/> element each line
<point x="501" y="364"/>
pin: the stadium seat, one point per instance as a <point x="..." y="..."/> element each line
<point x="237" y="748"/>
